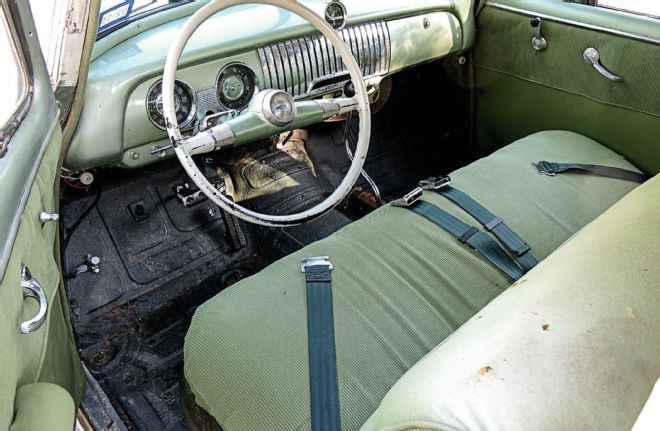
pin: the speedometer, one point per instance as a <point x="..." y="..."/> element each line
<point x="235" y="86"/>
<point x="184" y="104"/>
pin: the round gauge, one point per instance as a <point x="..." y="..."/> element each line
<point x="235" y="86"/>
<point x="335" y="14"/>
<point x="184" y="104"/>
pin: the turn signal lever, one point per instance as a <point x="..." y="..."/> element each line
<point x="373" y="89"/>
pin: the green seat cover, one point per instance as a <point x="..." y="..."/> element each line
<point x="43" y="407"/>
<point x="401" y="285"/>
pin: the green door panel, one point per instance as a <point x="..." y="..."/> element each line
<point x="43" y="407"/>
<point x="28" y="179"/>
<point x="521" y="91"/>
<point x="48" y="354"/>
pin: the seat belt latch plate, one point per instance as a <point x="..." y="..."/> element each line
<point x="543" y="168"/>
<point x="435" y="183"/>
<point x="316" y="261"/>
<point x="409" y="198"/>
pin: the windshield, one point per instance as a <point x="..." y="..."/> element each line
<point x="114" y="12"/>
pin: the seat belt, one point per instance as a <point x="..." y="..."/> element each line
<point x="518" y="248"/>
<point x="465" y="233"/>
<point x="323" y="386"/>
<point x="552" y="168"/>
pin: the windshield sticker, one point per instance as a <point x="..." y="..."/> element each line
<point x="116" y="14"/>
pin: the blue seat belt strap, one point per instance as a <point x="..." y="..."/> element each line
<point x="323" y="385"/>
<point x="515" y="245"/>
<point x="465" y="233"/>
<point x="552" y="168"/>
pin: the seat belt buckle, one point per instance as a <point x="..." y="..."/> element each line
<point x="543" y="168"/>
<point x="435" y="183"/>
<point x="316" y="261"/>
<point x="409" y="199"/>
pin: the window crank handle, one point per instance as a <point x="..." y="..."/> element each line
<point x="591" y="55"/>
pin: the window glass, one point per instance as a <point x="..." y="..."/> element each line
<point x="645" y="7"/>
<point x="114" y="12"/>
<point x="13" y="80"/>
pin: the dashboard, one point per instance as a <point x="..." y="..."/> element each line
<point x="239" y="52"/>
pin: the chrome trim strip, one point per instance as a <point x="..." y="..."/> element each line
<point x="279" y="66"/>
<point x="378" y="31"/>
<point x="286" y="67"/>
<point x="373" y="56"/>
<point x="264" y="67"/>
<point x="319" y="56"/>
<point x="272" y="70"/>
<point x="295" y="68"/>
<point x="358" y="48"/>
<point x="325" y="60"/>
<point x="572" y="22"/>
<point x="301" y="65"/>
<point x="312" y="58"/>
<point x="303" y="61"/>
<point x="388" y="45"/>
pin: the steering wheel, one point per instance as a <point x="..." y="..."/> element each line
<point x="269" y="113"/>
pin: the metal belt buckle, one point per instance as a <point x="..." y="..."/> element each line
<point x="542" y="168"/>
<point x="316" y="261"/>
<point x="409" y="198"/>
<point x="435" y="183"/>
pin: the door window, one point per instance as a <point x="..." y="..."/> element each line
<point x="13" y="77"/>
<point x="644" y="7"/>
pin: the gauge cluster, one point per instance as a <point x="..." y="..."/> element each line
<point x="185" y="104"/>
<point x="235" y="86"/>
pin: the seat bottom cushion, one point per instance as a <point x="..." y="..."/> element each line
<point x="401" y="285"/>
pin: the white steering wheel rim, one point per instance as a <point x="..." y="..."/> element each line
<point x="185" y="158"/>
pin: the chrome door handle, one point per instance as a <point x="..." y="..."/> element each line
<point x="591" y="55"/>
<point x="32" y="289"/>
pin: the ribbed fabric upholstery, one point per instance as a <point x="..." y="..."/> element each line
<point x="401" y="285"/>
<point x="43" y="407"/>
<point x="562" y="66"/>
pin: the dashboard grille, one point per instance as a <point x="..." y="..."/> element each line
<point x="309" y="65"/>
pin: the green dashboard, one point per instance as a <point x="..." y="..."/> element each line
<point x="236" y="53"/>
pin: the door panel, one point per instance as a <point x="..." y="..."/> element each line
<point x="521" y="91"/>
<point x="28" y="175"/>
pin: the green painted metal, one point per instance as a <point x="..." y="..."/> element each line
<point x="410" y="46"/>
<point x="521" y="91"/>
<point x="114" y="128"/>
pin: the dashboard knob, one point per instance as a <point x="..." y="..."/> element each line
<point x="349" y="89"/>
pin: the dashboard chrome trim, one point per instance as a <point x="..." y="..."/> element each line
<point x="299" y="65"/>
<point x="574" y="23"/>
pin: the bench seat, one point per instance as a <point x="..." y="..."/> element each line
<point x="401" y="285"/>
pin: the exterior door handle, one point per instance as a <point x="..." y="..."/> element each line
<point x="591" y="55"/>
<point x="32" y="289"/>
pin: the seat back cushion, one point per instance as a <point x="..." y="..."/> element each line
<point x="575" y="344"/>
<point x="401" y="285"/>
<point x="43" y="407"/>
